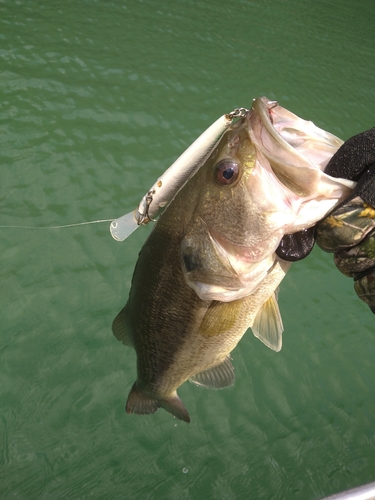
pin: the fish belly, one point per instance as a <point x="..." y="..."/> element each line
<point x="176" y="335"/>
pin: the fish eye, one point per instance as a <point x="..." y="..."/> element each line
<point x="226" y="172"/>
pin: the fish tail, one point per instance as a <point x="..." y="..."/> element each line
<point x="141" y="404"/>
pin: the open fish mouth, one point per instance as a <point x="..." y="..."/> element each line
<point x="295" y="148"/>
<point x="249" y="263"/>
<point x="247" y="255"/>
<point x="292" y="133"/>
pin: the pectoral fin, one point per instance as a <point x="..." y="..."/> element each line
<point x="120" y="330"/>
<point x="268" y="325"/>
<point x="218" y="377"/>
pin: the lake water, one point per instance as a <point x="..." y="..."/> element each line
<point x="97" y="99"/>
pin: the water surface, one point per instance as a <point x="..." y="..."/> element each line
<point x="97" y="99"/>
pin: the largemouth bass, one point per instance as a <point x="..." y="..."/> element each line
<point x="208" y="270"/>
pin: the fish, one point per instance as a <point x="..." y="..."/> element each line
<point x="208" y="271"/>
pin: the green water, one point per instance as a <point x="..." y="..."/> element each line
<point x="97" y="99"/>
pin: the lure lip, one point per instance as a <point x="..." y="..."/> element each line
<point x="124" y="226"/>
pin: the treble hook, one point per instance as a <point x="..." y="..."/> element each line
<point x="145" y="218"/>
<point x="237" y="113"/>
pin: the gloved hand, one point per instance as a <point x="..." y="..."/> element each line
<point x="349" y="230"/>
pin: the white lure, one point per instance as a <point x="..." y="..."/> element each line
<point x="174" y="178"/>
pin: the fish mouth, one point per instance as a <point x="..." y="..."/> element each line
<point x="296" y="149"/>
<point x="248" y="255"/>
<point x="239" y="273"/>
<point x="217" y="269"/>
<point x="250" y="264"/>
<point x="266" y="111"/>
<point x="289" y="130"/>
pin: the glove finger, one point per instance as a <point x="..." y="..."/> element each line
<point x="346" y="226"/>
<point x="354" y="156"/>
<point x="357" y="260"/>
<point x="365" y="289"/>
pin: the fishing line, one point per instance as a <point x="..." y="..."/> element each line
<point x="59" y="227"/>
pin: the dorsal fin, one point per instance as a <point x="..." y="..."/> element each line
<point x="268" y="325"/>
<point x="218" y="377"/>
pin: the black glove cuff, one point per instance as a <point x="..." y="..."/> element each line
<point x="366" y="186"/>
<point x="354" y="156"/>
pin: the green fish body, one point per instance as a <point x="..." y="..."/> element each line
<point x="208" y="270"/>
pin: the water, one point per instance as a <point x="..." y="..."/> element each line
<point x="97" y="99"/>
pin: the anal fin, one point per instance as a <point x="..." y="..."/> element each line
<point x="217" y="377"/>
<point x="268" y="325"/>
<point x="176" y="407"/>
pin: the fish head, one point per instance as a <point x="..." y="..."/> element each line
<point x="265" y="179"/>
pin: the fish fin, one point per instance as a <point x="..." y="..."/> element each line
<point x="119" y="329"/>
<point x="175" y="406"/>
<point x="139" y="403"/>
<point x="142" y="404"/>
<point x="268" y="325"/>
<point x="218" y="377"/>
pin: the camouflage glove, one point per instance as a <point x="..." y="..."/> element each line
<point x="349" y="230"/>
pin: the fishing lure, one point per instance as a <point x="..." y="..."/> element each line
<point x="174" y="178"/>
